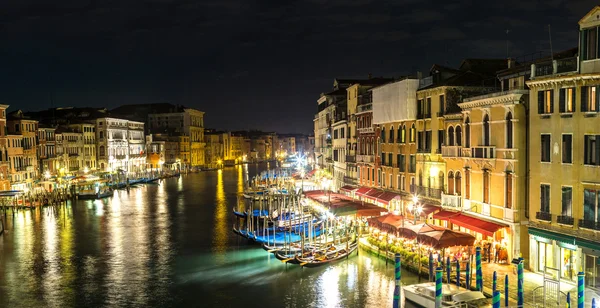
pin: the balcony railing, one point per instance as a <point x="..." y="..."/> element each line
<point x="364" y="107"/>
<point x="483" y="152"/>
<point x="546" y="216"/>
<point x="423" y="191"/>
<point x="452" y="151"/>
<point x="424" y="151"/>
<point x="589" y="224"/>
<point x="554" y="67"/>
<point x="543" y="68"/>
<point x="350" y="158"/>
<point x="565" y="220"/>
<point x="73" y="168"/>
<point x="451" y="201"/>
<point x="364" y="158"/>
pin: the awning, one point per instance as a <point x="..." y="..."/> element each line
<point x="444" y="215"/>
<point x="388" y="196"/>
<point x="348" y="188"/>
<point x="484" y="227"/>
<point x="429" y="208"/>
<point x="567" y="239"/>
<point x="373" y="194"/>
<point x="362" y="191"/>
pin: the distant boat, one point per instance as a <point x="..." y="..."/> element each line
<point x="334" y="253"/>
<point x="93" y="189"/>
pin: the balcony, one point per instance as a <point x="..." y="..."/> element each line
<point x="483" y="152"/>
<point x="451" y="201"/>
<point x="589" y="224"/>
<point x="364" y="159"/>
<point x="364" y="107"/>
<point x="121" y="156"/>
<point x="565" y="220"/>
<point x="435" y="193"/>
<point x="424" y="151"/>
<point x="451" y="151"/>
<point x="424" y="82"/>
<point x="365" y="130"/>
<point x="350" y="158"/>
<point x="73" y="154"/>
<point x="545" y="216"/>
<point x="553" y="67"/>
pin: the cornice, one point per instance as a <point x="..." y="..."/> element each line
<point x="505" y="98"/>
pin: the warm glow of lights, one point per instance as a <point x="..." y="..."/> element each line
<point x="433" y="171"/>
<point x="415" y="199"/>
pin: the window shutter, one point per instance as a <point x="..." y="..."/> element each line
<point x="573" y="100"/>
<point x="584" y="98"/>
<point x="540" y="102"/>
<point x="561" y="101"/>
<point x="551" y="101"/>
<point x="586" y="150"/>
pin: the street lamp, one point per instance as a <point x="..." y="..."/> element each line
<point x="47" y="175"/>
<point x="415" y="208"/>
<point x="86" y="170"/>
<point x="326" y="183"/>
<point x="219" y="163"/>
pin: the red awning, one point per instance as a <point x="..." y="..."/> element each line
<point x="362" y="191"/>
<point x="484" y="227"/>
<point x="429" y="208"/>
<point x="444" y="215"/>
<point x="348" y="188"/>
<point x="388" y="196"/>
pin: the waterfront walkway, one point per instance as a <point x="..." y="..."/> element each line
<point x="531" y="281"/>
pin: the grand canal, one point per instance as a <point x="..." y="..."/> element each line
<point x="167" y="245"/>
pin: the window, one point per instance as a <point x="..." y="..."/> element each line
<point x="486" y="186"/>
<point x="545" y="101"/>
<point x="428" y="108"/>
<point x="591" y="212"/>
<point x="508" y="191"/>
<point x="590" y="99"/>
<point x="567" y="146"/>
<point x="567" y="201"/>
<point x="382" y="135"/>
<point x="390" y="160"/>
<point x="545" y="148"/>
<point x="402" y="162"/>
<point x="486" y="130"/>
<point x="567" y="100"/>
<point x="413" y="132"/>
<point x="468" y="184"/>
<point x="383" y="159"/>
<point x="442" y="105"/>
<point x="440" y="140"/>
<point x="391" y="137"/>
<point x="413" y="189"/>
<point x="591" y="150"/>
<point x="101" y="151"/>
<point x="467" y="133"/>
<point x="412" y="168"/>
<point x="428" y="140"/>
<point x="403" y="134"/>
<point x="451" y="183"/>
<point x="421" y="143"/>
<point x="458" y="133"/>
<point x="399" y="138"/>
<point x="402" y="183"/>
<point x="101" y="135"/>
<point x="509" y="131"/>
<point x="457" y="183"/>
<point x="545" y="198"/>
<point x="451" y="136"/>
<point x="589" y="41"/>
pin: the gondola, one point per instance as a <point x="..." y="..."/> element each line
<point x="331" y="255"/>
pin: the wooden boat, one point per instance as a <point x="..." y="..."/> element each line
<point x="452" y="296"/>
<point x="330" y="255"/>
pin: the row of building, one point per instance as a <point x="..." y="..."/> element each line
<point x="506" y="149"/>
<point x="132" y="139"/>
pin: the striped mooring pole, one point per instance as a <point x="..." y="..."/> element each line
<point x="496" y="299"/>
<point x="520" y="291"/>
<point x="494" y="282"/>
<point x="398" y="274"/>
<point x="580" y="290"/>
<point x="448" y="268"/>
<point x="468" y="275"/>
<point x="568" y="299"/>
<point x="457" y="273"/>
<point x="438" y="287"/>
<point x="506" y="290"/>
<point x="478" y="273"/>
<point x="431" y="273"/>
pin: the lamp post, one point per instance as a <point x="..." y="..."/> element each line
<point x="415" y="208"/>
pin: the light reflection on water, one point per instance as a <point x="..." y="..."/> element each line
<point x="169" y="245"/>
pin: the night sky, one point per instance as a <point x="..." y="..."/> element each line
<point x="251" y="64"/>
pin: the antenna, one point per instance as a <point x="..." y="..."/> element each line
<point x="507" y="43"/>
<point x="550" y="35"/>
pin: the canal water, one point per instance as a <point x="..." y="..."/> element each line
<point x="169" y="245"/>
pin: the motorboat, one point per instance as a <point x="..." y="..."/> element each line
<point x="423" y="294"/>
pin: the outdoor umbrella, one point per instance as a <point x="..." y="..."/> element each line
<point x="411" y="231"/>
<point x="446" y="238"/>
<point x="390" y="222"/>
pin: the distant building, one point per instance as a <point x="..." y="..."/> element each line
<point x="121" y="145"/>
<point x="88" y="133"/>
<point x="23" y="132"/>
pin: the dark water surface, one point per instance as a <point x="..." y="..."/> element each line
<point x="169" y="245"/>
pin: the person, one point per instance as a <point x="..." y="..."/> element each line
<point x="488" y="248"/>
<point x="496" y="253"/>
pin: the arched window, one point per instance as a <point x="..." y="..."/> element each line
<point x="486" y="130"/>
<point x="457" y="183"/>
<point x="404" y="133"/>
<point x="509" y="131"/>
<point x="101" y="135"/>
<point x="451" y="183"/>
<point x="451" y="135"/>
<point x="391" y="140"/>
<point x="382" y="135"/>
<point x="399" y="137"/>
<point x="458" y="133"/>
<point x="467" y="133"/>
<point x="413" y="133"/>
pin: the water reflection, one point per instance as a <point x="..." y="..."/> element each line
<point x="168" y="245"/>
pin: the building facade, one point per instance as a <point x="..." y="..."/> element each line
<point x="26" y="168"/>
<point x="564" y="156"/>
<point x="88" y="133"/>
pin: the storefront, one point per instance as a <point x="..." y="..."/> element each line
<point x="562" y="256"/>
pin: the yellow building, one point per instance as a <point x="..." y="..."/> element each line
<point x="88" y="132"/>
<point x="26" y="128"/>
<point x="564" y="156"/>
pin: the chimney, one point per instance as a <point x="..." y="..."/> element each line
<point x="511" y="63"/>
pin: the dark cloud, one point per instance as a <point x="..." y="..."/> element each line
<point x="251" y="64"/>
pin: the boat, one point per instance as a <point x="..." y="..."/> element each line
<point x="285" y="220"/>
<point x="93" y="189"/>
<point x="423" y="294"/>
<point x="332" y="254"/>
